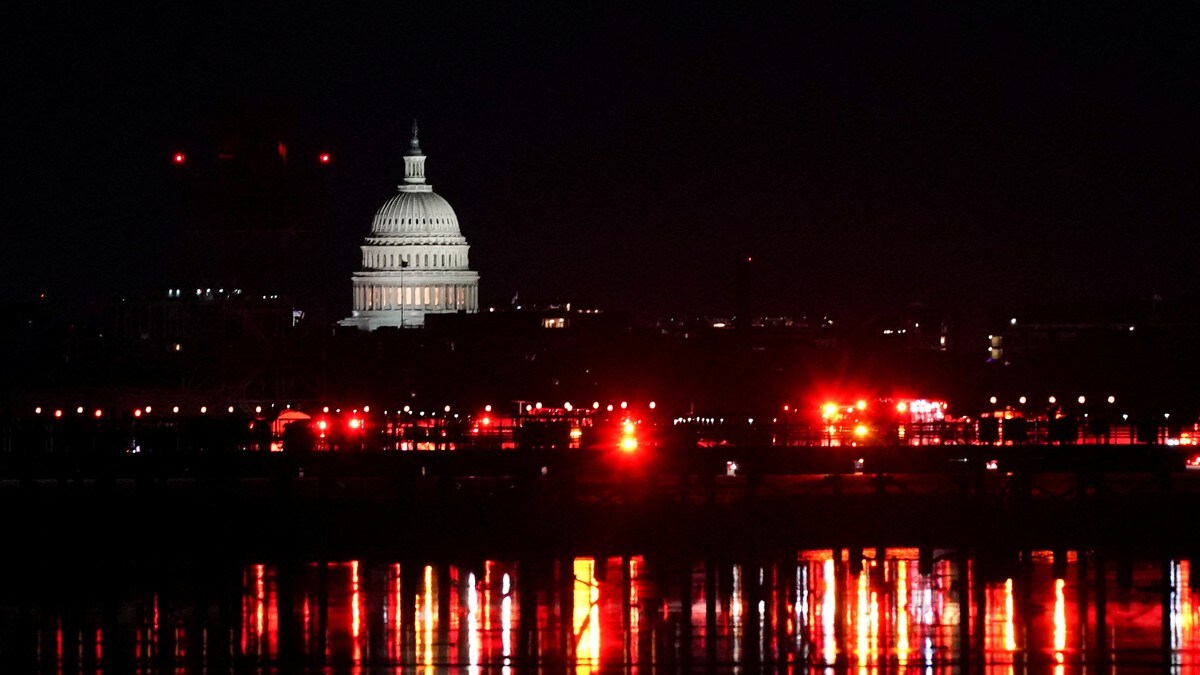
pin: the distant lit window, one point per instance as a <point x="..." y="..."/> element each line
<point x="556" y="322"/>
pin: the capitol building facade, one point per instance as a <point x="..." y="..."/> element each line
<point x="414" y="260"/>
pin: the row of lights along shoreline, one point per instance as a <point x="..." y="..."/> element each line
<point x="859" y="421"/>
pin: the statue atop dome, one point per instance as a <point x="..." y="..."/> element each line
<point x="414" y="146"/>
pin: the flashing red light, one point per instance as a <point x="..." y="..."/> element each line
<point x="322" y="425"/>
<point x="355" y="423"/>
<point x="98" y="412"/>
<point x="58" y="413"/>
<point x="629" y="441"/>
<point x="324" y="157"/>
<point x="487" y="421"/>
<point x="179" y="158"/>
<point x="137" y="412"/>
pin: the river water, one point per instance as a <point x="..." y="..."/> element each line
<point x="874" y="611"/>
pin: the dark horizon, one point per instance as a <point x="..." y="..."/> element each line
<point x="974" y="158"/>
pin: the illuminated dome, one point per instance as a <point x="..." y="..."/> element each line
<point x="415" y="214"/>
<point x="414" y="260"/>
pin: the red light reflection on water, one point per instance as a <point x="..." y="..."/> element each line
<point x="1185" y="616"/>
<point x="821" y="609"/>
<point x="392" y="615"/>
<point x="260" y="614"/>
<point x="355" y="613"/>
<point x="1060" y="624"/>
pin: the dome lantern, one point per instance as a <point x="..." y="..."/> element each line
<point x="414" y="161"/>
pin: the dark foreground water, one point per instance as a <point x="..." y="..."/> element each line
<point x="892" y="611"/>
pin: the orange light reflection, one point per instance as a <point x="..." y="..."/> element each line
<point x="829" y="615"/>
<point x="1010" y="634"/>
<point x="395" y="645"/>
<point x="428" y="619"/>
<point x="585" y="619"/>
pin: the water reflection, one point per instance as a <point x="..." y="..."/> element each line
<point x="898" y="610"/>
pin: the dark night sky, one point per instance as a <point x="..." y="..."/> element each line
<point x="625" y="155"/>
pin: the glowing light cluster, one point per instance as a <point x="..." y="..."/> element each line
<point x="629" y="441"/>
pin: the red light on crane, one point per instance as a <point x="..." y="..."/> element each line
<point x="324" y="158"/>
<point x="178" y="158"/>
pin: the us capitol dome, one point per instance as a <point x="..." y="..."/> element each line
<point x="414" y="261"/>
